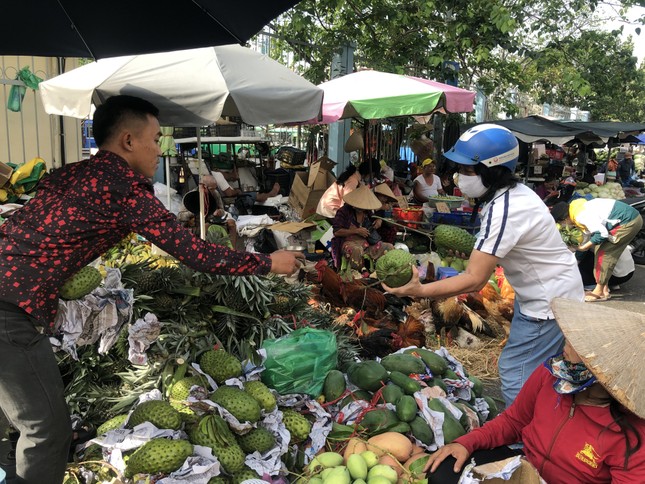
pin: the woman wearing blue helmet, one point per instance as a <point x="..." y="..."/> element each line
<point x="518" y="233"/>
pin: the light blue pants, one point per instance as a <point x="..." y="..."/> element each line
<point x="530" y="343"/>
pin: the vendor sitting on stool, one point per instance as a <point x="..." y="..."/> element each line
<point x="581" y="415"/>
<point x="427" y="184"/>
<point x="355" y="232"/>
<point x="387" y="199"/>
<point x="216" y="181"/>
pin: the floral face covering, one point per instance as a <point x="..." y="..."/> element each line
<point x="570" y="377"/>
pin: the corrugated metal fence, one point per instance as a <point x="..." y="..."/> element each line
<point x="31" y="132"/>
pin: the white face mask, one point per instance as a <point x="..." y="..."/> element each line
<point x="471" y="186"/>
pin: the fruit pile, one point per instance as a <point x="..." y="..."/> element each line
<point x="239" y="419"/>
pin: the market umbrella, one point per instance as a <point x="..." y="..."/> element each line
<point x="98" y="29"/>
<point x="376" y="95"/>
<point x="190" y="87"/>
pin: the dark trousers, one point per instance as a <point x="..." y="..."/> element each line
<point x="446" y="475"/>
<point x="32" y="398"/>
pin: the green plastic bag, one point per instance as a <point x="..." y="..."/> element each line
<point x="299" y="361"/>
<point x="17" y="92"/>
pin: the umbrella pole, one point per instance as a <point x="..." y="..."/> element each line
<point x="167" y="158"/>
<point x="202" y="195"/>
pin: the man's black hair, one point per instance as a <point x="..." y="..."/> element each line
<point x="114" y="110"/>
<point x="560" y="211"/>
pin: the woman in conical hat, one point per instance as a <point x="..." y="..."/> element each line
<point x="355" y="234"/>
<point x="581" y="415"/>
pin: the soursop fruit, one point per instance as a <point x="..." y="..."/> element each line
<point x="297" y="425"/>
<point x="158" y="413"/>
<point x="447" y="237"/>
<point x="220" y="365"/>
<point x="262" y="394"/>
<point x="242" y="405"/>
<point x="259" y="439"/>
<point x="186" y="413"/>
<point x="219" y="480"/>
<point x="181" y="388"/>
<point x="244" y="475"/>
<point x="81" y="284"/>
<point x="112" y="424"/>
<point x="394" y="268"/>
<point x="158" y="455"/>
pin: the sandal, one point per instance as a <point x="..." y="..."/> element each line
<point x="591" y="297"/>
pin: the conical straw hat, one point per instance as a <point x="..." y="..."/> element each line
<point x="383" y="189"/>
<point x="611" y="343"/>
<point x="354" y="142"/>
<point x="362" y="198"/>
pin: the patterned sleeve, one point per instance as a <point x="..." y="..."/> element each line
<point x="147" y="216"/>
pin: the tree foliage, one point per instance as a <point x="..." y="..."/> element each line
<point x="595" y="71"/>
<point x="495" y="42"/>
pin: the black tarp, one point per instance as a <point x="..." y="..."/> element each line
<point x="108" y="28"/>
<point x="537" y="128"/>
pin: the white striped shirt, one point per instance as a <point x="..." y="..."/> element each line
<point x="518" y="228"/>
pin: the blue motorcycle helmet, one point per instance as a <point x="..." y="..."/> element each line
<point x="488" y="144"/>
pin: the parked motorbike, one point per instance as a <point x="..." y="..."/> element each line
<point x="638" y="244"/>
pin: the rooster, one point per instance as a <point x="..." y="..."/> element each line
<point x="356" y="294"/>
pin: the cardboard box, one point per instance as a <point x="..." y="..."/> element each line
<point x="5" y="173"/>
<point x="521" y="472"/>
<point x="307" y="188"/>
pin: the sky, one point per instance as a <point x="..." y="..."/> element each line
<point x="639" y="40"/>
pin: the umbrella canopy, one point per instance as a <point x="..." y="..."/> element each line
<point x="375" y="95"/>
<point x="77" y="28"/>
<point x="191" y="87"/>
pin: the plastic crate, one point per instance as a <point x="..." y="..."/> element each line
<point x="458" y="219"/>
<point x="291" y="156"/>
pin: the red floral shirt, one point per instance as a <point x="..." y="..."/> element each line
<point x="78" y="213"/>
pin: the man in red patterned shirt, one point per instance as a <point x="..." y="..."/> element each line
<point x="78" y="213"/>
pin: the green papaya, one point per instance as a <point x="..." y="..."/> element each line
<point x="406" y="408"/>
<point x="401" y="428"/>
<point x="432" y="360"/>
<point x="378" y="421"/>
<point x="404" y="363"/>
<point x="340" y="431"/>
<point x="407" y="384"/>
<point x="451" y="375"/>
<point x="439" y="383"/>
<point x="493" y="411"/>
<point x="367" y="375"/>
<point x="478" y="386"/>
<point x="391" y="393"/>
<point x="451" y="427"/>
<point x="357" y="395"/>
<point x="421" y="430"/>
<point x="463" y="420"/>
<point x="334" y="385"/>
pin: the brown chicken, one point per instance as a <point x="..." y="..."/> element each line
<point x="355" y="294"/>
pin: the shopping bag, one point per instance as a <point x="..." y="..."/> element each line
<point x="299" y="361"/>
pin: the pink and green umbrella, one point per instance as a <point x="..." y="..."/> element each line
<point x="376" y="95"/>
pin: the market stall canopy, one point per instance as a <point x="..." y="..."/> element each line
<point x="537" y="128"/>
<point x="190" y="87"/>
<point x="78" y="28"/>
<point x="376" y="95"/>
<point x="610" y="129"/>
